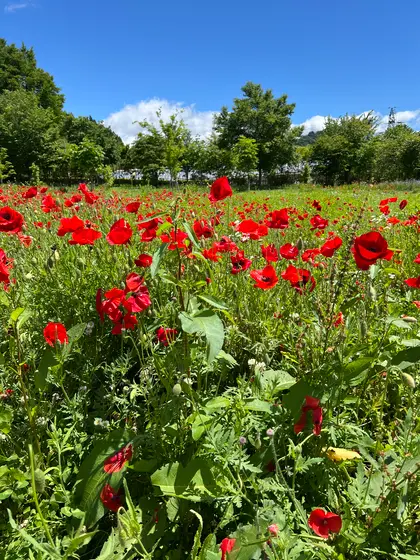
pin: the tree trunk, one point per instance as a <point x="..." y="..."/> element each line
<point x="259" y="177"/>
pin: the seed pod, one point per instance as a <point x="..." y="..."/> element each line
<point x="408" y="380"/>
<point x="39" y="481"/>
<point x="177" y="390"/>
<point x="408" y="319"/>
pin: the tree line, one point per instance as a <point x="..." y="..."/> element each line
<point x="254" y="141"/>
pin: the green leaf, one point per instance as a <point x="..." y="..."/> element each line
<point x="217" y="403"/>
<point x="207" y="323"/>
<point x="197" y="538"/>
<point x="6" y="417"/>
<point x="258" y="405"/>
<point x="76" y="332"/>
<point x="48" y="360"/>
<point x="355" y="372"/>
<point x="157" y="259"/>
<point x="14" y="316"/>
<point x="200" y="425"/>
<point x="43" y="548"/>
<point x="23" y="317"/>
<point x="406" y="358"/>
<point x="294" y="400"/>
<point x="79" y="541"/>
<point x="92" y="477"/>
<point x="277" y="380"/>
<point x="190" y="482"/>
<point x="214" y="302"/>
<point x="191" y="235"/>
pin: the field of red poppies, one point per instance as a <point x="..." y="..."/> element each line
<point x="206" y="374"/>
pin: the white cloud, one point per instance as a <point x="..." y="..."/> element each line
<point x="411" y="118"/>
<point x="201" y="122"/>
<point x="11" y="8"/>
<point x="122" y="122"/>
<point x="314" y="124"/>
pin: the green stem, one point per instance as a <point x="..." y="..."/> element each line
<point x="35" y="495"/>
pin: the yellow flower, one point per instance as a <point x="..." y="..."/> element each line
<point x="339" y="454"/>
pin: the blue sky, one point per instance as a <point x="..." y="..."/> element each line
<point x="121" y="60"/>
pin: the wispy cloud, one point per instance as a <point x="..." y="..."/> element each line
<point x="14" y="7"/>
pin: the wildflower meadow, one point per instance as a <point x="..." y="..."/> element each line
<point x="198" y="373"/>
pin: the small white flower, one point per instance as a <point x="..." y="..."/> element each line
<point x="97" y="422"/>
<point x="252" y="362"/>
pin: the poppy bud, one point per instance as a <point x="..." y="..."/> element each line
<point x="39" y="481"/>
<point x="408" y="319"/>
<point x="408" y="380"/>
<point x="299" y="243"/>
<point x="177" y="390"/>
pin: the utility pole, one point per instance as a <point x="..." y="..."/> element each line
<point x="392" y="120"/>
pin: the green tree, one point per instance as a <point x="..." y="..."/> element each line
<point x="19" y="71"/>
<point x="28" y="131"/>
<point x="147" y="156"/>
<point x="264" y="118"/>
<point x="344" y="152"/>
<point x="76" y="129"/>
<point x="6" y="168"/>
<point x="192" y="155"/>
<point x="86" y="159"/>
<point x="245" y="156"/>
<point x="172" y="136"/>
<point x="397" y="154"/>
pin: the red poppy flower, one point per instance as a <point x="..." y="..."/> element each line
<point x="70" y="225"/>
<point x="84" y="236"/>
<point x="299" y="278"/>
<point x="239" y="262"/>
<point x="269" y="252"/>
<point x="111" y="498"/>
<point x="133" y="282"/>
<point x="312" y="404"/>
<point x="202" y="229"/>
<point x="133" y="207"/>
<point x="369" y="248"/>
<point x="30" y="193"/>
<point x="211" y="254"/>
<point x="175" y="240"/>
<point x="331" y="246"/>
<point x="309" y="256"/>
<point x="339" y="320"/>
<point x="318" y="222"/>
<point x="315" y="204"/>
<point x="289" y="251"/>
<point x="417" y="259"/>
<point x="265" y="278"/>
<point x="278" y="219"/>
<point x="128" y="322"/>
<point x="165" y="336"/>
<point x="120" y="233"/>
<point x="139" y="301"/>
<point x="117" y="462"/>
<point x="322" y="523"/>
<point x="54" y="332"/>
<point x="144" y="260"/>
<point x="99" y="306"/>
<point x="226" y="546"/>
<point x="49" y="204"/>
<point x="11" y="221"/>
<point x="225" y="245"/>
<point x="417" y="304"/>
<point x="403" y="204"/>
<point x="220" y="190"/>
<point x="413" y="282"/>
